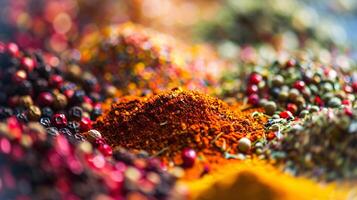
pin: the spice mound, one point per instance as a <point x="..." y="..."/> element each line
<point x="139" y="59"/>
<point x="322" y="147"/>
<point x="170" y="121"/>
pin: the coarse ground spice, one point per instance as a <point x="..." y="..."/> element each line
<point x="256" y="179"/>
<point x="170" y="121"/>
<point x="139" y="60"/>
<point x="322" y="147"/>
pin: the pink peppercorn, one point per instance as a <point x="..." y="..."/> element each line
<point x="28" y="64"/>
<point x="105" y="149"/>
<point x="255" y="78"/>
<point x="252" y="89"/>
<point x="348" y="111"/>
<point x="253" y="99"/>
<point x="300" y="85"/>
<point x="188" y="157"/>
<point x="45" y="99"/>
<point x="286" y="114"/>
<point x="13" y="49"/>
<point x="292" y="107"/>
<point x="346" y="102"/>
<point x="56" y="81"/>
<point x="85" y="124"/>
<point x="59" y="120"/>
<point x="290" y="63"/>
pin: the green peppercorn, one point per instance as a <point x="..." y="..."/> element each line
<point x="293" y="94"/>
<point x="283" y="96"/>
<point x="263" y="102"/>
<point x="278" y="81"/>
<point x="303" y="113"/>
<point x="270" y="107"/>
<point x="334" y="102"/>
<point x="314" y="109"/>
<point x="327" y="87"/>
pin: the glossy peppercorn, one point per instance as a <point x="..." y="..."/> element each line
<point x="59" y="120"/>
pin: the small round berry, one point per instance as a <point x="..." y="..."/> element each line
<point x="252" y="89"/>
<point x="244" y="145"/>
<point x="290" y="63"/>
<point x="13" y="49"/>
<point x="59" y="120"/>
<point x="188" y="156"/>
<point x="75" y="112"/>
<point x="105" y="149"/>
<point x="19" y="76"/>
<point x="253" y="99"/>
<point x="45" y="99"/>
<point x="28" y="64"/>
<point x="300" y="85"/>
<point x="85" y="124"/>
<point x="255" y="78"/>
<point x="270" y="107"/>
<point x="292" y="108"/>
<point x="56" y="81"/>
<point x="286" y="115"/>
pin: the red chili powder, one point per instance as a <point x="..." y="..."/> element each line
<point x="168" y="122"/>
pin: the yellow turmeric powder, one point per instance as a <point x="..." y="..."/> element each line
<point x="255" y="179"/>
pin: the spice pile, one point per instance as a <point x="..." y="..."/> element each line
<point x="285" y="25"/>
<point x="139" y="60"/>
<point x="299" y="87"/>
<point x="256" y="179"/>
<point x="40" y="87"/>
<point x="35" y="165"/>
<point x="322" y="147"/>
<point x="171" y="121"/>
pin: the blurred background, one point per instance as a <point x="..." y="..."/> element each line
<point x="57" y="25"/>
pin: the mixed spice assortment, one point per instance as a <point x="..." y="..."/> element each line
<point x="39" y="87"/>
<point x="90" y="111"/>
<point x="292" y="24"/>
<point x="321" y="147"/>
<point x="140" y="61"/>
<point x="37" y="165"/>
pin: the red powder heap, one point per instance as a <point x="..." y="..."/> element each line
<point x="176" y="119"/>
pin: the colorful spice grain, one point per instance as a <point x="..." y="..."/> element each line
<point x="255" y="179"/>
<point x="322" y="147"/>
<point x="139" y="60"/>
<point x="298" y="87"/>
<point x="171" y="121"/>
<point x="34" y="165"/>
<point x="38" y="86"/>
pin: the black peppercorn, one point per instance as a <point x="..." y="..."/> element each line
<point x="44" y="71"/>
<point x="74" y="126"/>
<point x="53" y="131"/>
<point x="47" y="112"/>
<point x="75" y="113"/>
<point x="66" y="132"/>
<point x="45" y="121"/>
<point x="5" y="112"/>
<point x="24" y="88"/>
<point x="22" y="117"/>
<point x="78" y="97"/>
